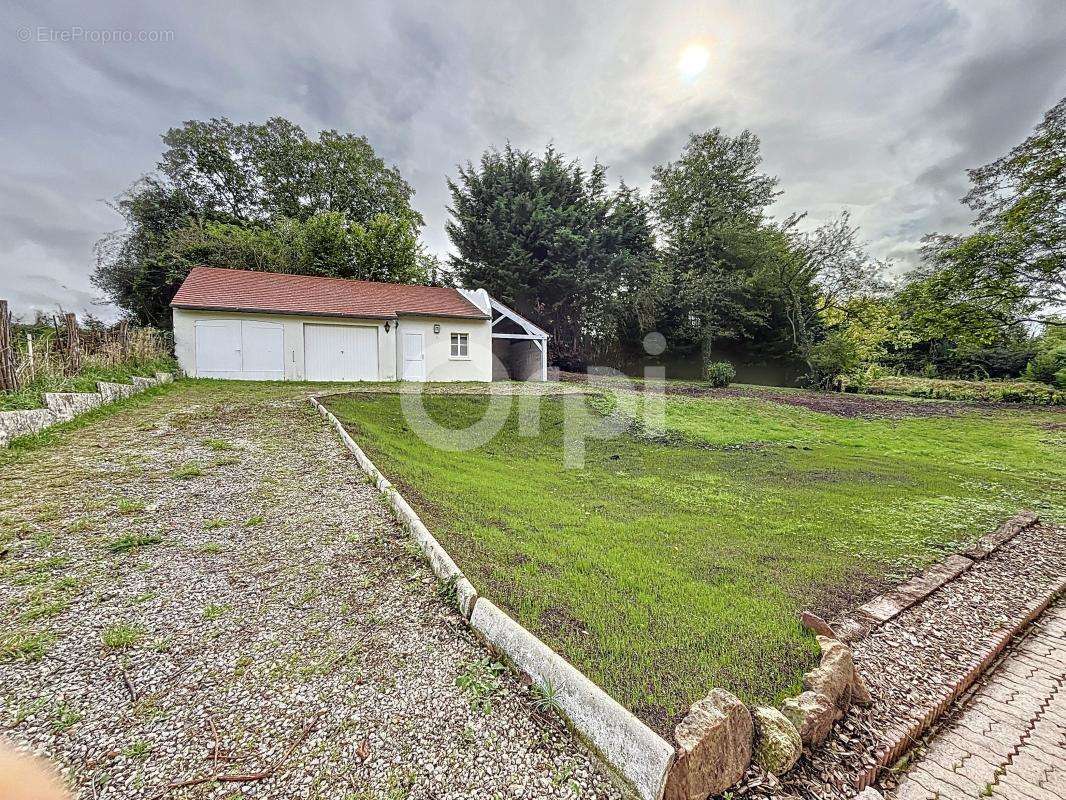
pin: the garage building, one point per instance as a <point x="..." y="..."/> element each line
<point x="245" y="325"/>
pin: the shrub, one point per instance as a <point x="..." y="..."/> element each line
<point x="836" y="356"/>
<point x="1045" y="366"/>
<point x="719" y="373"/>
<point x="967" y="391"/>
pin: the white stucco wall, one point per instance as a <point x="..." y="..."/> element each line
<point x="439" y="365"/>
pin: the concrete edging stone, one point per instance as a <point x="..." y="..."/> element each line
<point x="65" y="406"/>
<point x="637" y="753"/>
<point x="634" y="752"/>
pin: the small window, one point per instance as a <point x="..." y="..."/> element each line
<point x="460" y="345"/>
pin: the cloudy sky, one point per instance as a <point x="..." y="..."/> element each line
<point x="871" y="106"/>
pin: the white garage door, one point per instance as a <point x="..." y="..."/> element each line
<point x="340" y="353"/>
<point x="240" y="349"/>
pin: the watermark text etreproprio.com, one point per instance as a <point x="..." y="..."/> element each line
<point x="77" y="33"/>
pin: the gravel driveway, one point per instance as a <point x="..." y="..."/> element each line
<point x="202" y="583"/>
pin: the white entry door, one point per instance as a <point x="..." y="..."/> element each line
<point x="340" y="353"/>
<point x="414" y="357"/>
<point x="238" y="349"/>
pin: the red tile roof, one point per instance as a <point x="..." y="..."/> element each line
<point x="210" y="288"/>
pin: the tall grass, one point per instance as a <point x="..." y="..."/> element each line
<point x="114" y="355"/>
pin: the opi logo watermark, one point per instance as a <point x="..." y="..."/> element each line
<point x="78" y="34"/>
<point x="629" y="405"/>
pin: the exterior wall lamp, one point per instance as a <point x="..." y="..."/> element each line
<point x="436" y="328"/>
<point x="386" y="326"/>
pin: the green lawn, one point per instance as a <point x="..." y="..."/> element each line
<point x="667" y="566"/>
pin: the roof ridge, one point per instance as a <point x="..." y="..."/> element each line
<point x="229" y="289"/>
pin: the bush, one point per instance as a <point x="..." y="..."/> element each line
<point x="1046" y="365"/>
<point x="968" y="391"/>
<point x="719" y="373"/>
<point x="836" y="356"/>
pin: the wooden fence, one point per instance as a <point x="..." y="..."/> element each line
<point x="65" y="348"/>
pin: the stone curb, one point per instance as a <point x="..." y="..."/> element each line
<point x="113" y="392"/>
<point x="876" y="612"/>
<point x="14" y="424"/>
<point x="641" y="756"/>
<point x="65" y="406"/>
<point x="633" y="752"/>
<point x="907" y="737"/>
<point x="441" y="563"/>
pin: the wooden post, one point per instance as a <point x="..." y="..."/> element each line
<point x="124" y="340"/>
<point x="31" y="362"/>
<point x="73" y="343"/>
<point x="8" y="374"/>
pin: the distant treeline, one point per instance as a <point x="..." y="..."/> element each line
<point x="697" y="259"/>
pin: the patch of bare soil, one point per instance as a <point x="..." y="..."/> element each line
<point x="854" y="590"/>
<point x="838" y="404"/>
<point x="562" y="623"/>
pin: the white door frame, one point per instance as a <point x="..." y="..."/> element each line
<point x="421" y="361"/>
<point x="251" y="352"/>
<point x="211" y="356"/>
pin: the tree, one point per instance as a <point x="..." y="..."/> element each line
<point x="709" y="207"/>
<point x="133" y="267"/>
<point x="826" y="281"/>
<point x="259" y="196"/>
<point x="546" y="237"/>
<point x="1012" y="268"/>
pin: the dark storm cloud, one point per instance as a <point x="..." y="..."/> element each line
<point x="877" y="108"/>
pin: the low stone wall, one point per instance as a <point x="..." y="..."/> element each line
<point x="14" y="424"/>
<point x="720" y="737"/>
<point x="65" y="406"/>
<point x="113" y="392"/>
<point x="634" y="752"/>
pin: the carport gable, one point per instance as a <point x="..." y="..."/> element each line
<point x="520" y="347"/>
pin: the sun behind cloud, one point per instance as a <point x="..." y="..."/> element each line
<point x="693" y="61"/>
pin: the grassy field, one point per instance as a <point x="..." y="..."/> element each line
<point x="669" y="565"/>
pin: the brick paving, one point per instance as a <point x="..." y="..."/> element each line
<point x="1008" y="738"/>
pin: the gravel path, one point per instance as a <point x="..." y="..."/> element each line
<point x="1008" y="739"/>
<point x="203" y="583"/>
<point x="911" y="663"/>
